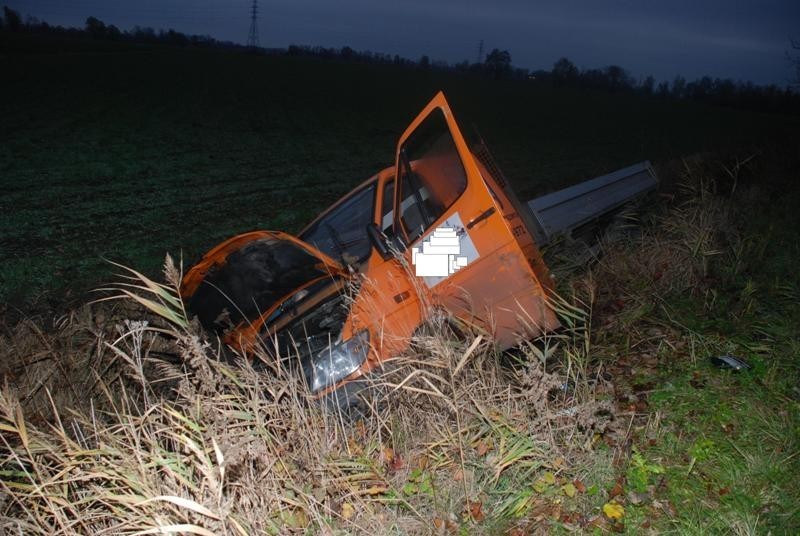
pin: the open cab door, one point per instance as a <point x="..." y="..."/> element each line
<point x="454" y="221"/>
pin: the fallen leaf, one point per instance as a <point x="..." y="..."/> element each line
<point x="458" y="476"/>
<point x="728" y="428"/>
<point x="438" y="523"/>
<point x="569" y="489"/>
<point x="637" y="498"/>
<point x="613" y="510"/>
<point x="296" y="520"/>
<point x="697" y="382"/>
<point x="555" y="511"/>
<point x="397" y="463"/>
<point x="387" y="455"/>
<point x="319" y="493"/>
<point x="483" y="447"/>
<point x="376" y="490"/>
<point x="549" y="478"/>
<point x="354" y="446"/>
<point x="724" y="491"/>
<point x="422" y="462"/>
<point x="615" y="491"/>
<point x="476" y="510"/>
<point x="348" y="511"/>
<point x="671" y="508"/>
<point x="361" y="428"/>
<point x="579" y="485"/>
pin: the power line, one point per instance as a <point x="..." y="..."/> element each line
<point x="252" y="38"/>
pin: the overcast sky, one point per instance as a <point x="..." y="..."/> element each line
<point x="743" y="40"/>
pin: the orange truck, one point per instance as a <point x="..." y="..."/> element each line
<point x="441" y="230"/>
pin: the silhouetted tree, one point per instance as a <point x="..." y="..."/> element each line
<point x="95" y="28"/>
<point x="648" y="85"/>
<point x="700" y="89"/>
<point x="618" y="77"/>
<point x="172" y="37"/>
<point x="541" y="74"/>
<point x="424" y="62"/>
<point x="724" y="91"/>
<point x="498" y="63"/>
<point x="12" y="19"/>
<point x="679" y="87"/>
<point x="663" y="90"/>
<point x="520" y="73"/>
<point x="146" y="34"/>
<point x="593" y="78"/>
<point x="564" y="72"/>
<point x="113" y="33"/>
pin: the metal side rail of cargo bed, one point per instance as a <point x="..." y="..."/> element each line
<point x="560" y="213"/>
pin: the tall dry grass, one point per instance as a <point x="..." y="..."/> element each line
<point x="128" y="420"/>
<point x="124" y="417"/>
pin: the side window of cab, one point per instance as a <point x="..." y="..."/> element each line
<point x="432" y="175"/>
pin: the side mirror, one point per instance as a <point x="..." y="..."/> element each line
<point x="378" y="241"/>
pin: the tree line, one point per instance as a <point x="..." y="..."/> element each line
<point x="11" y="21"/>
<point x="496" y="65"/>
<point x="724" y="92"/>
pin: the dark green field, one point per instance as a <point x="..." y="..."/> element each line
<point x="127" y="152"/>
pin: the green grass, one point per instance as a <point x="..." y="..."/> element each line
<point x="127" y="152"/>
<point x="732" y="455"/>
<point x="722" y="449"/>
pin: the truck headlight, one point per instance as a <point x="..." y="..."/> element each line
<point x="339" y="360"/>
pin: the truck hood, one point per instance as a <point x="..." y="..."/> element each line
<point x="245" y="276"/>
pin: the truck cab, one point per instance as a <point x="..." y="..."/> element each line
<point x="344" y="296"/>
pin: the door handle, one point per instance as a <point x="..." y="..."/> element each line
<point x="483" y="215"/>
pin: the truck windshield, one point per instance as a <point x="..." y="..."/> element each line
<point x="342" y="232"/>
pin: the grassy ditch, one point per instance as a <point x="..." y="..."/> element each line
<point x="125" y="421"/>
